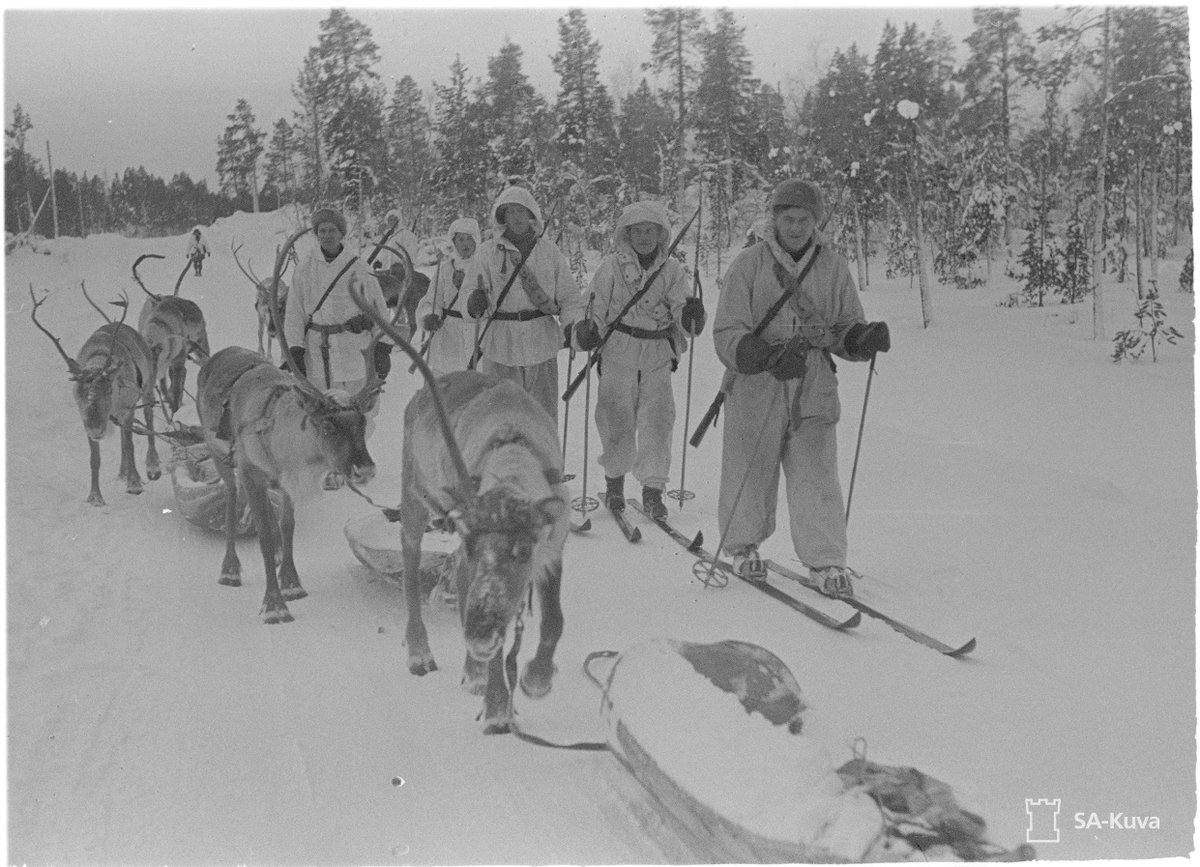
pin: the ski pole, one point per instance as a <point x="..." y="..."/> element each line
<point x="585" y="503"/>
<point x="858" y="446"/>
<point x="424" y="350"/>
<point x="706" y="570"/>
<point x="683" y="493"/>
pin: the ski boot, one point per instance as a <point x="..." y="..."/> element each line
<point x="748" y="564"/>
<point x="614" y="497"/>
<point x="652" y="503"/>
<point x="834" y="580"/>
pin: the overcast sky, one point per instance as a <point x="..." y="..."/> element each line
<point x="143" y="86"/>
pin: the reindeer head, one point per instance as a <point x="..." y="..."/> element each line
<point x="94" y="373"/>
<point x="340" y="427"/>
<point x="500" y="532"/>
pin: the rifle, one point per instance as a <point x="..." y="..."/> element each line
<point x="477" y="353"/>
<point x="594" y="355"/>
<point x="719" y="400"/>
<point x="386" y="235"/>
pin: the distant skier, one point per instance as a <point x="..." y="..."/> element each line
<point x="635" y="407"/>
<point x="197" y="250"/>
<point x="782" y="406"/>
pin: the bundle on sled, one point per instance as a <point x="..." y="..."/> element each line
<point x="714" y="734"/>
<point x="375" y="542"/>
<point x="199" y="491"/>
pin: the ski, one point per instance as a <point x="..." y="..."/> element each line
<point x="693" y="544"/>
<point x="903" y="628"/>
<point x="631" y="533"/>
<point x="583" y="527"/>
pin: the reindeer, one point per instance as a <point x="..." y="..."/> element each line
<point x="113" y="373"/>
<point x="267" y="428"/>
<point x="403" y="285"/>
<point x="174" y="329"/>
<point x="482" y="452"/>
<point x="262" y="302"/>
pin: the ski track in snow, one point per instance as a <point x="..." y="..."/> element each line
<point x="1014" y="486"/>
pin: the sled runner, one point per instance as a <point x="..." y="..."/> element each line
<point x="375" y="542"/>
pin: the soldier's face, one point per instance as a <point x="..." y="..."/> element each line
<point x="464" y="245"/>
<point x="644" y="238"/>
<point x="518" y="219"/>
<point x="329" y="237"/>
<point x="793" y="228"/>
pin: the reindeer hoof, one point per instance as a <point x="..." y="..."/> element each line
<point x="96" y="500"/>
<point x="499" y="726"/>
<point x="230" y="580"/>
<point x="276" y="615"/>
<point x="133" y="489"/>
<point x="293" y="593"/>
<point x="421" y="664"/>
<point x="153" y="474"/>
<point x="536" y="682"/>
<point x="474" y="679"/>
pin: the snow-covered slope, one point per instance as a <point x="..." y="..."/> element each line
<point x="1014" y="485"/>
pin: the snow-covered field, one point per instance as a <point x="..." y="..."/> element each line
<point x="1014" y="485"/>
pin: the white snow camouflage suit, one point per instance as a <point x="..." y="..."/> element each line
<point x="525" y="349"/>
<point x="450" y="346"/>
<point x="635" y="405"/>
<point x="796" y="418"/>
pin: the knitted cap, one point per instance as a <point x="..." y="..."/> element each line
<point x="328" y="215"/>
<point x="795" y="193"/>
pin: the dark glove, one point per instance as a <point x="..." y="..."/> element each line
<point x="587" y="335"/>
<point x="567" y="335"/>
<point x="692" y="318"/>
<point x="789" y="361"/>
<point x="383" y="359"/>
<point x="477" y="303"/>
<point x="863" y="337"/>
<point x="432" y="322"/>
<point x="297" y="353"/>
<point x="358" y="324"/>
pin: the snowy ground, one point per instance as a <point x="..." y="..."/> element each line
<point x="1015" y="486"/>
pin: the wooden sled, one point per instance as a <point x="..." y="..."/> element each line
<point x="743" y="785"/>
<point x="375" y="542"/>
<point x="198" y="488"/>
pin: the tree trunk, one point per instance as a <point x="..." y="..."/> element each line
<point x="914" y="187"/>
<point x="1138" y="252"/>
<point x="859" y="246"/>
<point x="79" y="197"/>
<point x="53" y="190"/>
<point x="1098" y="226"/>
<point x="1152" y="226"/>
<point x="254" y="187"/>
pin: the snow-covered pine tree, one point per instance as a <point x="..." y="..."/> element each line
<point x="677" y="37"/>
<point x="238" y="151"/>
<point x="1039" y="260"/>
<point x="407" y="132"/>
<point x="1076" y="275"/>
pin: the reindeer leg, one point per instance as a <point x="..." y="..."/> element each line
<point x="475" y="673"/>
<point x="153" y="466"/>
<point x="231" y="567"/>
<point x="178" y="373"/>
<point x="133" y="481"/>
<point x="274" y="609"/>
<point x="497" y="701"/>
<point x="412" y="520"/>
<point x="94" y="496"/>
<point x="289" y="579"/>
<point x="537" y="678"/>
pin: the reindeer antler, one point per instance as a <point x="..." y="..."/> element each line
<point x="249" y="272"/>
<point x="274" y="305"/>
<point x="139" y="279"/>
<point x="112" y="346"/>
<point x="182" y="274"/>
<point x="95" y="306"/>
<point x="460" y="464"/>
<point x="72" y="364"/>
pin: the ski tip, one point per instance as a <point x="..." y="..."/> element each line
<point x="582" y="528"/>
<point x="853" y="621"/>
<point x="635" y="535"/>
<point x="962" y="651"/>
<point x="697" y="542"/>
